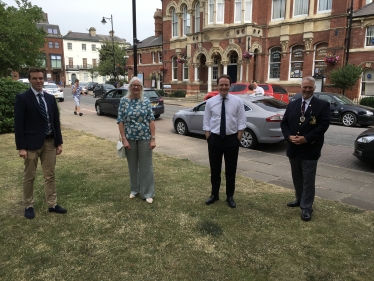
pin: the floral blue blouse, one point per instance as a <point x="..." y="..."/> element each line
<point x="136" y="115"/>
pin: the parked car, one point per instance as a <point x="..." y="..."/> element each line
<point x="273" y="90"/>
<point x="263" y="113"/>
<point x="91" y="85"/>
<point x="24" y="81"/>
<point x="53" y="89"/>
<point x="109" y="103"/>
<point x="364" y="146"/>
<point x="101" y="89"/>
<point x="84" y="86"/>
<point x="344" y="111"/>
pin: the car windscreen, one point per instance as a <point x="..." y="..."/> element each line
<point x="108" y="86"/>
<point x="50" y="86"/>
<point x="265" y="87"/>
<point x="83" y="84"/>
<point x="343" y="99"/>
<point x="150" y="94"/>
<point x="271" y="104"/>
<point x="237" y="88"/>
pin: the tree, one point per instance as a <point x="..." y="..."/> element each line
<point x="20" y="38"/>
<point x="345" y="77"/>
<point x="106" y="65"/>
<point x="93" y="72"/>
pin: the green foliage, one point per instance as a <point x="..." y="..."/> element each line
<point x="178" y="94"/>
<point x="8" y="91"/>
<point x="368" y="101"/>
<point x="345" y="77"/>
<point x="106" y="65"/>
<point x="93" y="72"/>
<point x="20" y="38"/>
<point x="161" y="92"/>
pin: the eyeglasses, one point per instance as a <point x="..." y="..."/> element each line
<point x="136" y="85"/>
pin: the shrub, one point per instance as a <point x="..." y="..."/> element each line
<point x="161" y="92"/>
<point x="368" y="101"/>
<point x="8" y="91"/>
<point x="178" y="94"/>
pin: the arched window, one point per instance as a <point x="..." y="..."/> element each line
<point x="186" y="21"/>
<point x="197" y="17"/>
<point x="319" y="56"/>
<point x="175" y="69"/>
<point x="215" y="69"/>
<point x="185" y="70"/>
<point x="174" y="23"/>
<point x="275" y="63"/>
<point x="297" y="61"/>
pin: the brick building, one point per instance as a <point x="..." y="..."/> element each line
<point x="285" y="40"/>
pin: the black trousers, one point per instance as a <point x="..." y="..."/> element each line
<point x="229" y="148"/>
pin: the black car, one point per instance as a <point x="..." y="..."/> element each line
<point x="101" y="89"/>
<point x="344" y="111"/>
<point x="109" y="103"/>
<point x="364" y="146"/>
<point x="91" y="86"/>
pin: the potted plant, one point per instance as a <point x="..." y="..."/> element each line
<point x="331" y="58"/>
<point x="181" y="60"/>
<point x="247" y="55"/>
<point x="129" y="67"/>
<point x="163" y="68"/>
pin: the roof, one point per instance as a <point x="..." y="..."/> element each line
<point x="367" y="10"/>
<point x="47" y="26"/>
<point x="152" y="41"/>
<point x="94" y="38"/>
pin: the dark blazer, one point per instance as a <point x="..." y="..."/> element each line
<point x="29" y="123"/>
<point x="317" y="121"/>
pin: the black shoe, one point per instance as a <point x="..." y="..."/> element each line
<point x="295" y="203"/>
<point x="230" y="201"/>
<point x="80" y="114"/>
<point x="75" y="113"/>
<point x="306" y="216"/>
<point x="212" y="199"/>
<point x="29" y="213"/>
<point x="57" y="209"/>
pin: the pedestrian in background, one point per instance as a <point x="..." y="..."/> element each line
<point x="77" y="91"/>
<point x="136" y="125"/>
<point x="38" y="135"/>
<point x="224" y="124"/>
<point x="303" y="126"/>
<point x="259" y="91"/>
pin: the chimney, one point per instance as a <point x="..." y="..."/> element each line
<point x="158" y="22"/>
<point x="92" y="31"/>
<point x="111" y="34"/>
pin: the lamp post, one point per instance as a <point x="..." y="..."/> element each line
<point x="135" y="40"/>
<point x="114" y="58"/>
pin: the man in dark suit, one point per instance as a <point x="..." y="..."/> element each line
<point x="224" y="124"/>
<point x="38" y="135"/>
<point x="304" y="124"/>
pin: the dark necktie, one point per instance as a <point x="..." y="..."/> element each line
<point x="44" y="112"/>
<point x="222" y="131"/>
<point x="303" y="108"/>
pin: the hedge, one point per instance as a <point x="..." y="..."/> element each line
<point x="368" y="101"/>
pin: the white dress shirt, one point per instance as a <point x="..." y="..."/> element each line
<point x="235" y="114"/>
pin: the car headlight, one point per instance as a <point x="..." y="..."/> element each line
<point x="365" y="139"/>
<point x="369" y="113"/>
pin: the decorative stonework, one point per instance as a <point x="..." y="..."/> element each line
<point x="196" y="57"/>
<point x="284" y="47"/>
<point x="171" y="4"/>
<point x="256" y="45"/>
<point x="230" y="48"/>
<point x="308" y="44"/>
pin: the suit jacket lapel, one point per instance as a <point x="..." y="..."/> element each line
<point x="35" y="102"/>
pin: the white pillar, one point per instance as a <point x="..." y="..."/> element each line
<point x="209" y="78"/>
<point x="225" y="68"/>
<point x="195" y="72"/>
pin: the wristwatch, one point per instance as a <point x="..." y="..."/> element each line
<point x="153" y="137"/>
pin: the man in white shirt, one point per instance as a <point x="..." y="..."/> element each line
<point x="224" y="124"/>
<point x="258" y="90"/>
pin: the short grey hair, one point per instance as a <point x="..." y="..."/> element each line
<point x="309" y="78"/>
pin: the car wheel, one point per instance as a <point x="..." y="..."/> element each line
<point x="94" y="95"/>
<point x="349" y="119"/>
<point x="62" y="99"/>
<point x="98" y="110"/>
<point x="181" y="127"/>
<point x="249" y="139"/>
<point x="157" y="116"/>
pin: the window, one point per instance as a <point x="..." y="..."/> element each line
<point x="301" y="7"/>
<point x="94" y="62"/>
<point x="185" y="71"/>
<point x="243" y="5"/>
<point x="71" y="63"/>
<point x="216" y="6"/>
<point x="70" y="46"/>
<point x="279" y="7"/>
<point x="368" y="1"/>
<point x="248" y="10"/>
<point x="197" y="17"/>
<point x="57" y="45"/>
<point x="210" y="11"/>
<point x="238" y="11"/>
<point x="55" y="61"/>
<point x="215" y="69"/>
<point x="275" y="62"/>
<point x="83" y="47"/>
<point x="93" y="47"/>
<point x="186" y="21"/>
<point x="84" y="62"/>
<point x="220" y="10"/>
<point x="139" y="58"/>
<point x="174" y="20"/>
<point x="50" y="45"/>
<point x="319" y="56"/>
<point x="175" y="69"/>
<point x="153" y="57"/>
<point x="52" y="31"/>
<point x="297" y="60"/>
<point x="324" y="5"/>
<point x="159" y="57"/>
<point x="370" y="36"/>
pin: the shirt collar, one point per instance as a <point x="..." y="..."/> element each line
<point x="308" y="99"/>
<point x="36" y="92"/>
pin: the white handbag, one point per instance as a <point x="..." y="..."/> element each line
<point x="121" y="152"/>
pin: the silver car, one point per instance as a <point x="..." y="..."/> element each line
<point x="263" y="113"/>
<point x="54" y="90"/>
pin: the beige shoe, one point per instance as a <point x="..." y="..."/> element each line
<point x="132" y="196"/>
<point x="149" y="200"/>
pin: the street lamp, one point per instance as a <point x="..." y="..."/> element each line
<point x="114" y="58"/>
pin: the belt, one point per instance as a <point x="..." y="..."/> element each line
<point x="50" y="136"/>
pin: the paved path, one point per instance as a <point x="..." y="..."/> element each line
<point x="349" y="185"/>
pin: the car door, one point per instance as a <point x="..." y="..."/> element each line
<point x="334" y="106"/>
<point x="117" y="99"/>
<point x="196" y="118"/>
<point x="280" y="93"/>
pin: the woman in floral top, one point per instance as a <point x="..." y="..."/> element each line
<point x="136" y="125"/>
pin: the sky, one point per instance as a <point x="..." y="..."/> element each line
<point x="80" y="15"/>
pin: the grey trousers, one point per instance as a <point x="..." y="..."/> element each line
<point x="139" y="159"/>
<point x="304" y="178"/>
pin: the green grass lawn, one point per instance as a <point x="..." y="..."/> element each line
<point x="107" y="236"/>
